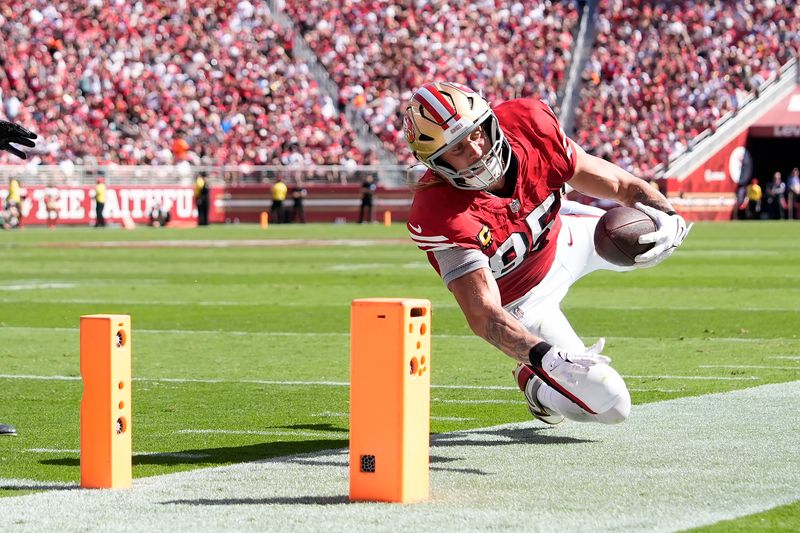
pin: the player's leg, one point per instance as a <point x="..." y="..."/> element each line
<point x="576" y="245"/>
<point x="539" y="311"/>
<point x="545" y="402"/>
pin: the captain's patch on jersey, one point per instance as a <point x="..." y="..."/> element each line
<point x="485" y="238"/>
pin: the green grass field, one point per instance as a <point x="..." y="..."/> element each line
<point x="219" y="333"/>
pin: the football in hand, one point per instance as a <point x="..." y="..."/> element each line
<point x="616" y="236"/>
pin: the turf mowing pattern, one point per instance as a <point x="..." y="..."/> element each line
<point x="240" y="352"/>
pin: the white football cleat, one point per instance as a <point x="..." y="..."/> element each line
<point x="529" y="384"/>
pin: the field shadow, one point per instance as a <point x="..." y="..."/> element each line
<point x="317" y="427"/>
<point x="228" y="455"/>
<point x="36" y="488"/>
<point x="502" y="437"/>
<point x="296" y="500"/>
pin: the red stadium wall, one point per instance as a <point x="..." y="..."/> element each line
<point x="709" y="191"/>
<point x="324" y="203"/>
<point x="76" y="204"/>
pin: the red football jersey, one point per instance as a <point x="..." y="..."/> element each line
<point x="519" y="233"/>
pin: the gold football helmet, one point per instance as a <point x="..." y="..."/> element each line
<point x="438" y="116"/>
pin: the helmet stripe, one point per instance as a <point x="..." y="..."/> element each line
<point x="437" y="105"/>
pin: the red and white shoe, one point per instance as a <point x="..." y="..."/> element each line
<point x="529" y="384"/>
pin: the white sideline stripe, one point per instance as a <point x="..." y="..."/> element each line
<point x="198" y="331"/>
<point x="37" y="286"/>
<point x="118" y="302"/>
<point x="789" y="357"/>
<point x="179" y="455"/>
<point x="347" y="383"/>
<point x="759" y="340"/>
<point x="229" y="243"/>
<point x="701" y="378"/>
<point x="752" y="366"/>
<point x="344" y="267"/>
<point x="678" y="308"/>
<point x="632" y="477"/>
<point x="731" y="307"/>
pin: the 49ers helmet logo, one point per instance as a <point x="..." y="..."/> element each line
<point x="408" y="128"/>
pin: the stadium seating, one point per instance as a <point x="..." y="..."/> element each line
<point x="160" y="82"/>
<point x="218" y="83"/>
<point x="377" y="51"/>
<point x="662" y="72"/>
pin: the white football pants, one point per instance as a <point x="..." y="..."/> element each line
<point x="540" y="312"/>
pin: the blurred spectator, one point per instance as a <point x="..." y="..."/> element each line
<point x="279" y="191"/>
<point x="299" y="194"/>
<point x="15" y="194"/>
<point x="159" y="215"/>
<point x="51" y="205"/>
<point x="368" y="188"/>
<point x="9" y="218"/>
<point x="201" y="199"/>
<point x="753" y="201"/>
<point x="13" y="207"/>
<point x="99" y="203"/>
<point x="776" y="201"/>
<point x="793" y="193"/>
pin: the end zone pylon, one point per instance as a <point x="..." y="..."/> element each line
<point x="106" y="460"/>
<point x="390" y="378"/>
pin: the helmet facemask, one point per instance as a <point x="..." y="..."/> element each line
<point x="487" y="170"/>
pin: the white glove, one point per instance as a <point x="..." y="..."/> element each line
<point x="670" y="232"/>
<point x="568" y="368"/>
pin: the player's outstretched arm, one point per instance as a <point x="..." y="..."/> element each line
<point x="602" y="179"/>
<point x="14" y="133"/>
<point x="599" y="178"/>
<point x="479" y="298"/>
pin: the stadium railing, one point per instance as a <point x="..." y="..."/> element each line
<point x="184" y="174"/>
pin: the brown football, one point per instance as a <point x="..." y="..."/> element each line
<point x="616" y="237"/>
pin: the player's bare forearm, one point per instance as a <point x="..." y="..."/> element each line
<point x="506" y="333"/>
<point x="602" y="179"/>
<point x="477" y="295"/>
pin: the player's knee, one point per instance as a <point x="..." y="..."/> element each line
<point x="600" y="389"/>
<point x="619" y="413"/>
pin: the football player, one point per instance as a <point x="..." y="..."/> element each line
<point x="487" y="212"/>
<point x="14" y="133"/>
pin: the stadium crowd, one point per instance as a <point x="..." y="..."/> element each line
<point x="662" y="72"/>
<point x="147" y="82"/>
<point x="379" y="51"/>
<point x="217" y="83"/>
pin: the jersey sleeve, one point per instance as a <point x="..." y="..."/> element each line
<point x="440" y="219"/>
<point x="440" y="225"/>
<point x="456" y="262"/>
